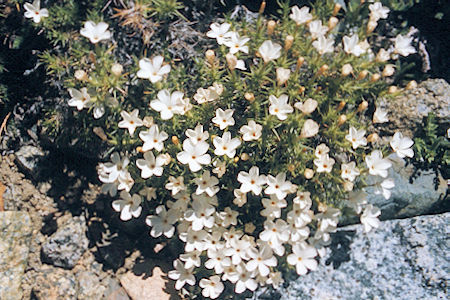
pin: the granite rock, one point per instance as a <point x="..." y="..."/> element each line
<point x="28" y="159"/>
<point x="15" y="235"/>
<point x="55" y="284"/>
<point x="66" y="246"/>
<point x="89" y="286"/>
<point x="403" y="259"/>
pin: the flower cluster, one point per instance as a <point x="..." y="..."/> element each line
<point x="257" y="170"/>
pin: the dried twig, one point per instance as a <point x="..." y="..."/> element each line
<point x="2" y="190"/>
<point x="3" y="126"/>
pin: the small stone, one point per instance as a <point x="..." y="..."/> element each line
<point x="15" y="236"/>
<point x="66" y="246"/>
<point x="55" y="284"/>
<point x="114" y="291"/>
<point x="28" y="159"/>
<point x="89" y="287"/>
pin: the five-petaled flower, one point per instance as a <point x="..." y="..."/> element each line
<point x="34" y="11"/>
<point x="95" y="32"/>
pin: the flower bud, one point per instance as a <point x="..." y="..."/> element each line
<point x="81" y="75"/>
<point x="322" y="207"/>
<point x="301" y="90"/>
<point x="375" y="77"/>
<point x="271" y="26"/>
<point x="323" y="69"/>
<point x="283" y="75"/>
<point x="389" y="70"/>
<point x="117" y="69"/>
<point x="392" y="89"/>
<point x="348" y="186"/>
<point x="139" y="149"/>
<point x="363" y="106"/>
<point x="210" y="56"/>
<point x="262" y="7"/>
<point x="175" y="140"/>
<point x="346" y="69"/>
<point x="249" y="97"/>
<point x="231" y="61"/>
<point x="309" y="173"/>
<point x="166" y="157"/>
<point x="372" y="138"/>
<point x="382" y="56"/>
<point x="100" y="133"/>
<point x="336" y="9"/>
<point x="371" y="25"/>
<point x="411" y="85"/>
<point x="249" y="227"/>
<point x="291" y="168"/>
<point x="341" y="105"/>
<point x="245" y="156"/>
<point x="310" y="129"/>
<point x="148" y="121"/>
<point x="300" y="62"/>
<point x="236" y="159"/>
<point x="332" y="22"/>
<point x="362" y="74"/>
<point x="342" y="119"/>
<point x="307" y="107"/>
<point x="288" y="42"/>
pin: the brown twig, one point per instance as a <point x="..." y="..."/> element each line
<point x="2" y="190"/>
<point x="3" y="126"/>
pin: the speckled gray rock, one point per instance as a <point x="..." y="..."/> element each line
<point x="407" y="110"/>
<point x="409" y="199"/>
<point x="15" y="235"/>
<point x="66" y="246"/>
<point x="89" y="287"/>
<point x="28" y="159"/>
<point x="403" y="259"/>
<point x="55" y="284"/>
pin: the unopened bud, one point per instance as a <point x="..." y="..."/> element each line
<point x="271" y="26"/>
<point x="301" y="89"/>
<point x="341" y="105"/>
<point x="288" y="42"/>
<point x="210" y="56"/>
<point x="291" y="168"/>
<point x="392" y="89"/>
<point x="371" y="25"/>
<point x="332" y="22"/>
<point x="117" y="69"/>
<point x="175" y="140"/>
<point x="375" y="77"/>
<point x="346" y="69"/>
<point x="236" y="159"/>
<point x="300" y="62"/>
<point x="249" y="97"/>
<point x="323" y="69"/>
<point x="389" y="70"/>
<point x="342" y="119"/>
<point x="411" y="85"/>
<point x="231" y="61"/>
<point x="373" y="137"/>
<point x="100" y="133"/>
<point x="336" y="9"/>
<point x="139" y="149"/>
<point x="363" y="106"/>
<point x="81" y="75"/>
<point x="262" y="7"/>
<point x="166" y="157"/>
<point x="362" y="74"/>
<point x="309" y="173"/>
<point x="348" y="186"/>
<point x="245" y="156"/>
<point x="148" y="121"/>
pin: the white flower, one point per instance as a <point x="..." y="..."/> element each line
<point x="235" y="63"/>
<point x="80" y="98"/>
<point x="317" y="29"/>
<point x="383" y="56"/>
<point x="349" y="171"/>
<point x="302" y="258"/>
<point x="212" y="287"/>
<point x="272" y="207"/>
<point x="95" y="32"/>
<point x="251" y="181"/>
<point x="217" y="260"/>
<point x="245" y="281"/>
<point x="194" y="154"/>
<point x="380" y="116"/>
<point x="324" y="45"/>
<point x="148" y="192"/>
<point x="34" y="11"/>
<point x="403" y="45"/>
<point x="384" y="188"/>
<point x="310" y="128"/>
<point x="220" y="167"/>
<point x="218" y="32"/>
<point x="278" y="186"/>
<point x="191" y="259"/>
<point x="356" y="200"/>
<point x="351" y="45"/>
<point x="369" y="218"/>
<point x="300" y="15"/>
<point x="207" y="184"/>
<point x="252" y="131"/>
<point x="299" y="216"/>
<point x="150" y="165"/>
<point x="226" y="145"/>
<point x="402" y="145"/>
<point x="277" y="232"/>
<point x="175" y="185"/>
<point x="236" y="43"/>
<point x="280" y="106"/>
<point x="197" y="135"/>
<point x="378" y="11"/>
<point x="130" y="120"/>
<point x="283" y="75"/>
<point x="129" y="206"/>
<point x="275" y="279"/>
<point x="153" y="69"/>
<point x="324" y="163"/>
<point x="153" y="139"/>
<point x="224" y="118"/>
<point x="307" y="107"/>
<point x="240" y="198"/>
<point x="261" y="260"/>
<point x="201" y="214"/>
<point x="126" y="182"/>
<point x="269" y="51"/>
<point x="195" y="240"/>
<point x="377" y="164"/>
<point x="210" y="94"/>
<point x="181" y="275"/>
<point x="303" y="199"/>
<point x="356" y="137"/>
<point x="321" y="150"/>
<point x="163" y="222"/>
<point x="168" y="104"/>
<point x="110" y="171"/>
<point x="228" y="217"/>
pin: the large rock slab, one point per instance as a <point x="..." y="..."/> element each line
<point x="15" y="235"/>
<point x="403" y="259"/>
